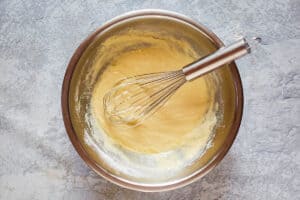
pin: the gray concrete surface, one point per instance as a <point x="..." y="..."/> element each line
<point x="37" y="39"/>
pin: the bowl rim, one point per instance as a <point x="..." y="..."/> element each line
<point x="101" y="171"/>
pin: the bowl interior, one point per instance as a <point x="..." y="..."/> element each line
<point x="79" y="93"/>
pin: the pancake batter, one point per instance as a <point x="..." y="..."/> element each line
<point x="185" y="122"/>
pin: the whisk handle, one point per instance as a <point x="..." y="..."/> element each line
<point x="217" y="59"/>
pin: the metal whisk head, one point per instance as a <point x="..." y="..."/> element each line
<point x="133" y="99"/>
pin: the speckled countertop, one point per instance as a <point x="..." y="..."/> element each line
<point x="37" y="160"/>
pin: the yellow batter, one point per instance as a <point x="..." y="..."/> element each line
<point x="189" y="115"/>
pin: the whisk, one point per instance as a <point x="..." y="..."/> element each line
<point x="133" y="99"/>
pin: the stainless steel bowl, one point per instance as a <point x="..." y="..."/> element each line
<point x="230" y="93"/>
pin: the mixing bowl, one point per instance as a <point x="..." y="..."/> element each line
<point x="77" y="91"/>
